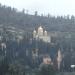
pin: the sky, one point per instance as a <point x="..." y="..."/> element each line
<point x="53" y="7"/>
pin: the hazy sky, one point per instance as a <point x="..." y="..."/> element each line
<point x="54" y="7"/>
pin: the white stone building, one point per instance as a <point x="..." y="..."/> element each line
<point x="41" y="34"/>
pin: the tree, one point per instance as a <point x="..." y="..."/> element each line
<point x="47" y="69"/>
<point x="16" y="69"/>
<point x="4" y="65"/>
<point x="36" y="13"/>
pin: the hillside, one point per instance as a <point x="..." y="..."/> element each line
<point x="11" y="16"/>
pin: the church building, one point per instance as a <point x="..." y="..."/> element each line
<point x="41" y="34"/>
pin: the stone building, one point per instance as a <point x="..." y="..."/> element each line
<point x="41" y="34"/>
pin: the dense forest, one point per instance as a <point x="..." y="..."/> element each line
<point x="21" y="19"/>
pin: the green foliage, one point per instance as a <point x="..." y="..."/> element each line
<point x="47" y="70"/>
<point x="16" y="69"/>
<point x="4" y="65"/>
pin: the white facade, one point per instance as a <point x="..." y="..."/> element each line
<point x="41" y="34"/>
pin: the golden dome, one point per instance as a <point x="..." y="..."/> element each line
<point x="40" y="31"/>
<point x="40" y="28"/>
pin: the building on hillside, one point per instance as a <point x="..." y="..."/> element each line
<point x="47" y="60"/>
<point x="41" y="34"/>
